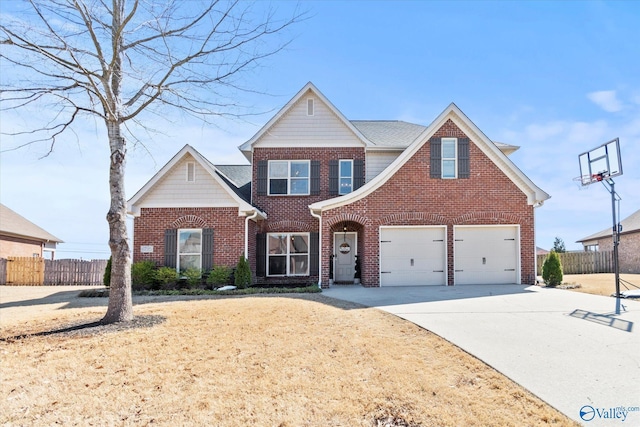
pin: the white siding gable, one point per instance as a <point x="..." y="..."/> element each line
<point x="297" y="128"/>
<point x="173" y="190"/>
<point x="377" y="161"/>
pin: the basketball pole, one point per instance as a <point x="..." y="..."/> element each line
<point x="616" y="239"/>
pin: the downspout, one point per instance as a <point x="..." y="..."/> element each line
<point x="313" y="214"/>
<point x="246" y="234"/>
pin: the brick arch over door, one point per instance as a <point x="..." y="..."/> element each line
<point x="489" y="218"/>
<point x="411" y="218"/>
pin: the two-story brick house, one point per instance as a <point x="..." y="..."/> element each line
<point x="324" y="197"/>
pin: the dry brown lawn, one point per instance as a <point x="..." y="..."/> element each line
<point x="262" y="361"/>
<point x="600" y="284"/>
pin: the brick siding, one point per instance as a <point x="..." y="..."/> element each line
<point x="628" y="251"/>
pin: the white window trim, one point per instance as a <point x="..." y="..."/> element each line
<point x="311" y="107"/>
<point x="178" y="253"/>
<point x="340" y="177"/>
<point x="191" y="167"/>
<point x="289" y="178"/>
<point x="443" y="159"/>
<point x="288" y="254"/>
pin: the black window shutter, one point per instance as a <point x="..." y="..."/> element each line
<point x="263" y="170"/>
<point x="315" y="177"/>
<point x="463" y="158"/>
<point x="170" y="247"/>
<point x="333" y="177"/>
<point x="207" y="249"/>
<point x="261" y="255"/>
<point x="436" y="157"/>
<point x="358" y="174"/>
<point x="314" y="255"/>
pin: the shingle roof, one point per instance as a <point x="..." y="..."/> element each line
<point x="630" y="224"/>
<point x="389" y="133"/>
<point x="14" y="224"/>
<point x="238" y="174"/>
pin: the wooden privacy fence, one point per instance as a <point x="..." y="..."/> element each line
<point x="582" y="262"/>
<point x="20" y="271"/>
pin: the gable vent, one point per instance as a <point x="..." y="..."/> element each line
<point x="191" y="172"/>
<point x="310" y="107"/>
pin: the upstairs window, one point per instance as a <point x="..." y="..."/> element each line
<point x="289" y="177"/>
<point x="449" y="157"/>
<point x="346" y="177"/>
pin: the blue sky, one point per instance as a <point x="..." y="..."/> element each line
<point x="555" y="78"/>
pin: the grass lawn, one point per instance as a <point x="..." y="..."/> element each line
<point x="304" y="360"/>
<point x="600" y="284"/>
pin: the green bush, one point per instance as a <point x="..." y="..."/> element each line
<point x="106" y="279"/>
<point x="219" y="276"/>
<point x="193" y="277"/>
<point x="552" y="270"/>
<point x="167" y="277"/>
<point x="143" y="275"/>
<point x="243" y="273"/>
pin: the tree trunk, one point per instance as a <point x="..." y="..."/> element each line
<point x="120" y="305"/>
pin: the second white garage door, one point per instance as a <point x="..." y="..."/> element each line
<point x="413" y="256"/>
<point x="486" y="254"/>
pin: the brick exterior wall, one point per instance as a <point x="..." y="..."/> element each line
<point x="228" y="234"/>
<point x="411" y="197"/>
<point x="628" y="251"/>
<point x="16" y="246"/>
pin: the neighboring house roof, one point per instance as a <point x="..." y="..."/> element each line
<point x="541" y="251"/>
<point x="13" y="224"/>
<point x="231" y="178"/>
<point x="630" y="224"/>
<point x="535" y="195"/>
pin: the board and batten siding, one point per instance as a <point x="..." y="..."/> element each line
<point x="173" y="190"/>
<point x="298" y="129"/>
<point x="377" y="161"/>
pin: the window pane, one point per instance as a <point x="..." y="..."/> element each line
<point x="189" y="261"/>
<point x="299" y="265"/>
<point x="299" y="186"/>
<point x="277" y="186"/>
<point x="448" y="149"/>
<point x="448" y="169"/>
<point x="345" y="185"/>
<point x="345" y="168"/>
<point x="277" y="244"/>
<point x="278" y="169"/>
<point x="299" y="169"/>
<point x="190" y="241"/>
<point x="299" y="244"/>
<point x="277" y="265"/>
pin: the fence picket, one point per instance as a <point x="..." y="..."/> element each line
<point x="20" y="271"/>
<point x="582" y="262"/>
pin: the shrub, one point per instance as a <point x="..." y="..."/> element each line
<point x="552" y="270"/>
<point x="106" y="279"/>
<point x="242" y="277"/>
<point x="167" y="277"/>
<point x="193" y="277"/>
<point x="219" y="276"/>
<point x="143" y="275"/>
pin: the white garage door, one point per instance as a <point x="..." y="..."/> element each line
<point x="486" y="255"/>
<point x="413" y="256"/>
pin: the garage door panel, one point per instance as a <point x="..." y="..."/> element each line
<point x="486" y="255"/>
<point x="413" y="256"/>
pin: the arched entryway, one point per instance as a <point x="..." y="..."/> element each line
<point x="346" y="241"/>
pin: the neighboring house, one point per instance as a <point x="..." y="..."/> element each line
<point x="628" y="248"/>
<point x="409" y="204"/>
<point x="541" y="251"/>
<point x="20" y="237"/>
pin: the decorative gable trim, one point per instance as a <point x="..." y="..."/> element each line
<point x="244" y="208"/>
<point x="535" y="195"/>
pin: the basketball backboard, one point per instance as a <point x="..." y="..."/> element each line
<point x="600" y="163"/>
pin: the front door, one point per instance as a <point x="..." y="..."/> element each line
<point x="345" y="251"/>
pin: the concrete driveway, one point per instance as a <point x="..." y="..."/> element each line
<point x="568" y="348"/>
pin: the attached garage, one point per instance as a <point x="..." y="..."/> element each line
<point x="486" y="254"/>
<point x="413" y="255"/>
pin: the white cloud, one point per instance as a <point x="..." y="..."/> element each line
<point x="607" y="100"/>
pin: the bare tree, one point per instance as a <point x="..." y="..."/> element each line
<point x="114" y="60"/>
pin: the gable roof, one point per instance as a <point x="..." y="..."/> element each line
<point x="248" y="146"/>
<point x="234" y="185"/>
<point x="13" y="224"/>
<point x="535" y="195"/>
<point x="630" y="224"/>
